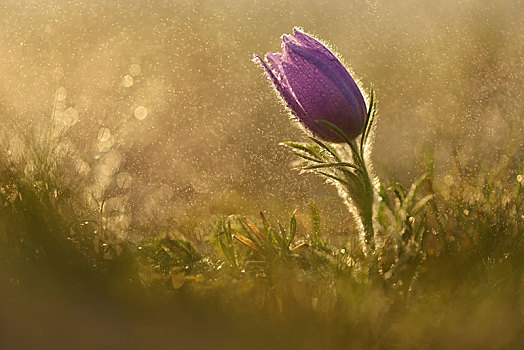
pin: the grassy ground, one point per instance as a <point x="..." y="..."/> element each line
<point x="448" y="271"/>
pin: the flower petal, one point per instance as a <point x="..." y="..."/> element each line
<point x="316" y="86"/>
<point x="313" y="50"/>
<point x="321" y="97"/>
<point x="276" y="74"/>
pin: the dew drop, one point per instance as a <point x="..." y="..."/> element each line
<point x="140" y="112"/>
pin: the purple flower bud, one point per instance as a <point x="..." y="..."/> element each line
<point x="316" y="86"/>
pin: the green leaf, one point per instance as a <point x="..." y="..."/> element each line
<point x="384" y="196"/>
<point x="315" y="218"/>
<point x="334" y="128"/>
<point x="336" y="178"/>
<point x="370" y="108"/>
<point x="327" y="148"/>
<point x="230" y="257"/>
<point x="247" y="242"/>
<point x="260" y="237"/>
<point x="420" y="204"/>
<point x="330" y="165"/>
<point x="292" y="230"/>
<point x="308" y="148"/>
<point x="344" y="137"/>
<point x="353" y="177"/>
<point x="410" y="197"/>
<point x="399" y="191"/>
<point x="372" y="112"/>
<point x="283" y="236"/>
<point x="311" y="159"/>
<point x="279" y="240"/>
<point x="356" y="156"/>
<point x="264" y="222"/>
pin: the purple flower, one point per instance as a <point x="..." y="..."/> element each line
<point x="316" y="86"/>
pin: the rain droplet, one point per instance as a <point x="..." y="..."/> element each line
<point x="127" y="81"/>
<point x="140" y="112"/>
<point x="135" y="69"/>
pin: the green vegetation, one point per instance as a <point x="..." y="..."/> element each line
<point x="447" y="271"/>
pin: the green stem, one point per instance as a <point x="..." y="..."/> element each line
<point x="366" y="209"/>
<point x="367" y="223"/>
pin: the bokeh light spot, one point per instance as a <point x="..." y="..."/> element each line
<point x="135" y="69"/>
<point x="140" y="112"/>
<point x="70" y="116"/>
<point x="127" y="81"/>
